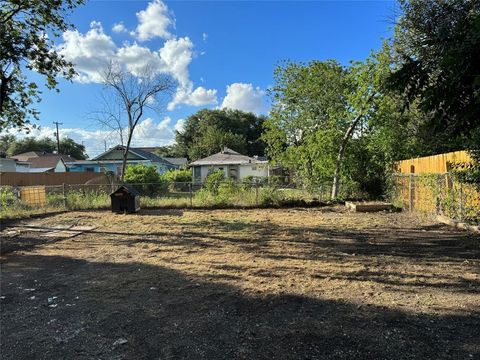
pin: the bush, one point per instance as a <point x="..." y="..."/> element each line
<point x="178" y="180"/>
<point x="7" y="197"/>
<point x="145" y="179"/>
<point x="213" y="180"/>
<point x="268" y="196"/>
<point x="181" y="175"/>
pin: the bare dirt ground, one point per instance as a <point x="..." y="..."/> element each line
<point x="240" y="284"/>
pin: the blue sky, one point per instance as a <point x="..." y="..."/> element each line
<point x="222" y="54"/>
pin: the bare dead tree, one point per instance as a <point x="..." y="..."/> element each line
<point x="130" y="96"/>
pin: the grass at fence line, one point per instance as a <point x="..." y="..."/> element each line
<point x="85" y="200"/>
<point x="228" y="194"/>
<point x="178" y="200"/>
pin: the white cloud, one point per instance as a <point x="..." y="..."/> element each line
<point x="136" y="58"/>
<point x="180" y="125"/>
<point x="89" y="52"/>
<point x="198" y="97"/>
<point x="119" y="28"/>
<point x="93" y="51"/>
<point x="147" y="133"/>
<point x="245" y="97"/>
<point x="154" y="21"/>
<point x="177" y="55"/>
<point x="205" y="36"/>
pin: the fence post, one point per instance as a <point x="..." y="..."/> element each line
<point x="461" y="202"/>
<point x="437" y="194"/>
<point x="191" y="193"/>
<point x="256" y="194"/>
<point x="64" y="196"/>
<point x="410" y="193"/>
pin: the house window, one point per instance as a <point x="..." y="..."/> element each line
<point x="254" y="168"/>
<point x="90" y="169"/>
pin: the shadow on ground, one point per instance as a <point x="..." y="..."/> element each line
<point x="160" y="313"/>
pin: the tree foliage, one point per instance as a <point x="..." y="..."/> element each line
<point x="338" y="122"/>
<point x="27" y="28"/>
<point x="437" y="65"/>
<point x="208" y="131"/>
<point x="145" y="179"/>
<point x="12" y="146"/>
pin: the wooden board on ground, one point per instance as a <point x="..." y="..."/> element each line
<point x="368" y="207"/>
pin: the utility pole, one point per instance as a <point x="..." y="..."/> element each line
<point x="105" y="144"/>
<point x="58" y="136"/>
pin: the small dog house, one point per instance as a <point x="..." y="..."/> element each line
<point x="125" y="200"/>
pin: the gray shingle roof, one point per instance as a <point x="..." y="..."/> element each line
<point x="146" y="155"/>
<point x="225" y="157"/>
<point x="177" y="161"/>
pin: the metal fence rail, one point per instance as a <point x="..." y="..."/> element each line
<point x="14" y="201"/>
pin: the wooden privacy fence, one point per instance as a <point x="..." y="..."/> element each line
<point x="48" y="179"/>
<point x="437" y="194"/>
<point x="436" y="164"/>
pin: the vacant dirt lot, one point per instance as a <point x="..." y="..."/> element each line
<point x="240" y="284"/>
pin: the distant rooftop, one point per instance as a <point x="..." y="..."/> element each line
<point x="227" y="157"/>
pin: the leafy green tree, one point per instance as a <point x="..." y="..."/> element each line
<point x="213" y="181"/>
<point x="307" y="118"/>
<point x="437" y="47"/>
<point x="207" y="131"/>
<point x="31" y="144"/>
<point x="5" y="142"/>
<point x="67" y="147"/>
<point x="179" y="175"/>
<point x="27" y="28"/>
<point x="70" y="147"/>
<point x="145" y="179"/>
<point x="334" y="122"/>
<point x="168" y="151"/>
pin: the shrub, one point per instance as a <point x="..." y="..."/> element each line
<point x="145" y="179"/>
<point x="213" y="180"/>
<point x="180" y="175"/>
<point x="268" y="196"/>
<point x="7" y="197"/>
<point x="178" y="180"/>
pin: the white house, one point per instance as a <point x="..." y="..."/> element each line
<point x="235" y="165"/>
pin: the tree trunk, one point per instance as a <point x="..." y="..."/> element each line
<point x="3" y="92"/>
<point x="343" y="146"/>
<point x="125" y="155"/>
<point x="340" y="156"/>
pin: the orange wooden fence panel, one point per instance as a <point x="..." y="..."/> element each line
<point x="432" y="164"/>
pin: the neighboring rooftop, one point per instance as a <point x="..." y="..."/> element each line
<point x="227" y="156"/>
<point x="137" y="151"/>
<point x="181" y="161"/>
<point x="48" y="160"/>
<point x="33" y="157"/>
<point x="27" y="155"/>
<point x="22" y="169"/>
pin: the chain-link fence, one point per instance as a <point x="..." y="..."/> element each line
<point x="18" y="201"/>
<point x="437" y="194"/>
